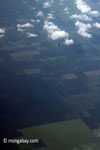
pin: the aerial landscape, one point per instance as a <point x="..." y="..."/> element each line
<point x="50" y="74"/>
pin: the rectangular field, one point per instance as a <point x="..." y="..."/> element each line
<point x="92" y="73"/>
<point x="24" y="53"/>
<point x="59" y="136"/>
<point x="70" y="76"/>
<point x="32" y="71"/>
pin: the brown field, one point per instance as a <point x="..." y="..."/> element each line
<point x="70" y="76"/>
<point x="92" y="73"/>
<point x="25" y="53"/>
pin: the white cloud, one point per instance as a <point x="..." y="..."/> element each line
<point x="50" y="16"/>
<point x="97" y="25"/>
<point x="84" y="8"/>
<point x="83" y="17"/>
<point x="31" y="35"/>
<point x="95" y="13"/>
<point x="83" y="29"/>
<point x="32" y="20"/>
<point x="58" y="35"/>
<point x="2" y="30"/>
<point x="68" y="42"/>
<point x="50" y="27"/>
<point x="61" y="4"/>
<point x="22" y="27"/>
<point x="40" y="14"/>
<point x="46" y="5"/>
<point x="87" y="14"/>
<point x="33" y="8"/>
<point x="27" y="25"/>
<point x="55" y="33"/>
<point x="38" y="20"/>
<point x="66" y="10"/>
<point x="2" y="35"/>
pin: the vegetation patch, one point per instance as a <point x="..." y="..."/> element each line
<point x="24" y="53"/>
<point x="63" y="135"/>
<point x="32" y="71"/>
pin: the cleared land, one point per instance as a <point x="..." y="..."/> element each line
<point x="24" y="53"/>
<point x="92" y="73"/>
<point x="70" y="76"/>
<point x="32" y="71"/>
<point x="56" y="136"/>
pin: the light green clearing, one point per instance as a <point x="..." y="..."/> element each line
<point x="59" y="136"/>
<point x="13" y="46"/>
<point x="56" y="58"/>
<point x="32" y="71"/>
<point x="25" y="53"/>
<point x="20" y="45"/>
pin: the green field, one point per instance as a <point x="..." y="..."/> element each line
<point x="32" y="71"/>
<point x="56" y="136"/>
<point x="25" y="53"/>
